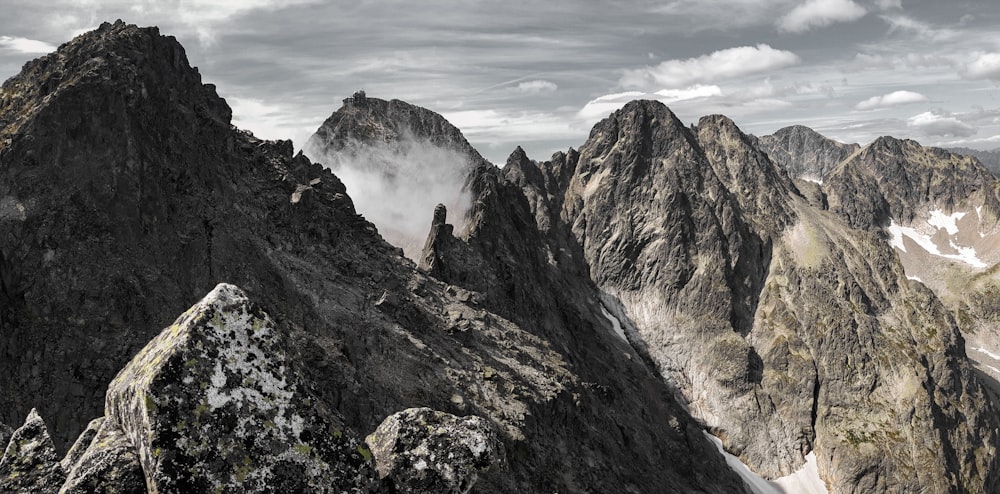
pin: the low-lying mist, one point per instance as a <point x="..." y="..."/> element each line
<point x="396" y="185"/>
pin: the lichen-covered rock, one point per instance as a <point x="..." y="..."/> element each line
<point x="29" y="463"/>
<point x="423" y="450"/>
<point x="213" y="405"/>
<point x="82" y="443"/>
<point x="107" y="464"/>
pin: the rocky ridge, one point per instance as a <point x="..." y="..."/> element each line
<point x="588" y="308"/>
<point x="163" y="199"/>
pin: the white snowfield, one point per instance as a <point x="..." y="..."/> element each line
<point x="948" y="222"/>
<point x="805" y="480"/>
<point x="966" y="255"/>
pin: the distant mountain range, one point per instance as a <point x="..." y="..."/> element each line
<point x="991" y="159"/>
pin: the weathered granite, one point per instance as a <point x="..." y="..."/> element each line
<point x="422" y="450"/>
<point x="213" y="404"/>
<point x="30" y="462"/>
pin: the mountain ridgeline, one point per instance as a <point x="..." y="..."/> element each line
<point x="569" y="325"/>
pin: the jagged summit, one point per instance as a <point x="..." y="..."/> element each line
<point x="116" y="57"/>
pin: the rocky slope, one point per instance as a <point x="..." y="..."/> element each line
<point x="785" y="329"/>
<point x="126" y="195"/>
<point x="804" y="153"/>
<point x="990" y="159"/>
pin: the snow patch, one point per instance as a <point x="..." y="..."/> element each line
<point x="914" y="278"/>
<point x="948" y="222"/>
<point x="987" y="353"/>
<point x="615" y="323"/>
<point x="965" y="254"/>
<point x="805" y="480"/>
<point x="814" y="180"/>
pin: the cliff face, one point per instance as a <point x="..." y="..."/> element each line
<point x="126" y="195"/>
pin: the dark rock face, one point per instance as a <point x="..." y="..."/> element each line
<point x="422" y="450"/>
<point x="804" y="153"/>
<point x="30" y="464"/>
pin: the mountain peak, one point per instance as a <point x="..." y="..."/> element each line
<point x="366" y="120"/>
<point x="804" y="153"/>
<point x="119" y="61"/>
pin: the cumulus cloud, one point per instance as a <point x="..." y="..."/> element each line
<point x="939" y="123"/>
<point x="25" y="45"/>
<point x="396" y="185"/>
<point x="894" y="98"/>
<point x="537" y="86"/>
<point x="984" y="66"/>
<point x="722" y="64"/>
<point x="820" y="13"/>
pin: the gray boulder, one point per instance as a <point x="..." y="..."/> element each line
<point x="107" y="463"/>
<point x="29" y="463"/>
<point x="213" y="404"/>
<point x="423" y="450"/>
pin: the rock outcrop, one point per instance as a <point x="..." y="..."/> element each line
<point x="421" y="450"/>
<point x="222" y="371"/>
<point x="30" y="463"/>
<point x="106" y="463"/>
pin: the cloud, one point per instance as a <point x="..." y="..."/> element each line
<point x="396" y="186"/>
<point x="984" y="66"/>
<point x="537" y="86"/>
<point x="722" y="64"/>
<point x="894" y="98"/>
<point x="820" y="13"/>
<point x="602" y="106"/>
<point x="25" y="45"/>
<point x="926" y="32"/>
<point x="939" y="123"/>
<point x="889" y="4"/>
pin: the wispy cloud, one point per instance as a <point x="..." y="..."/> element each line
<point x="537" y="86"/>
<point x="25" y="45"/>
<point x="895" y="98"/>
<point x="722" y="64"/>
<point x="820" y="13"/>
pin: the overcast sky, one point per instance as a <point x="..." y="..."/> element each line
<point x="540" y="74"/>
